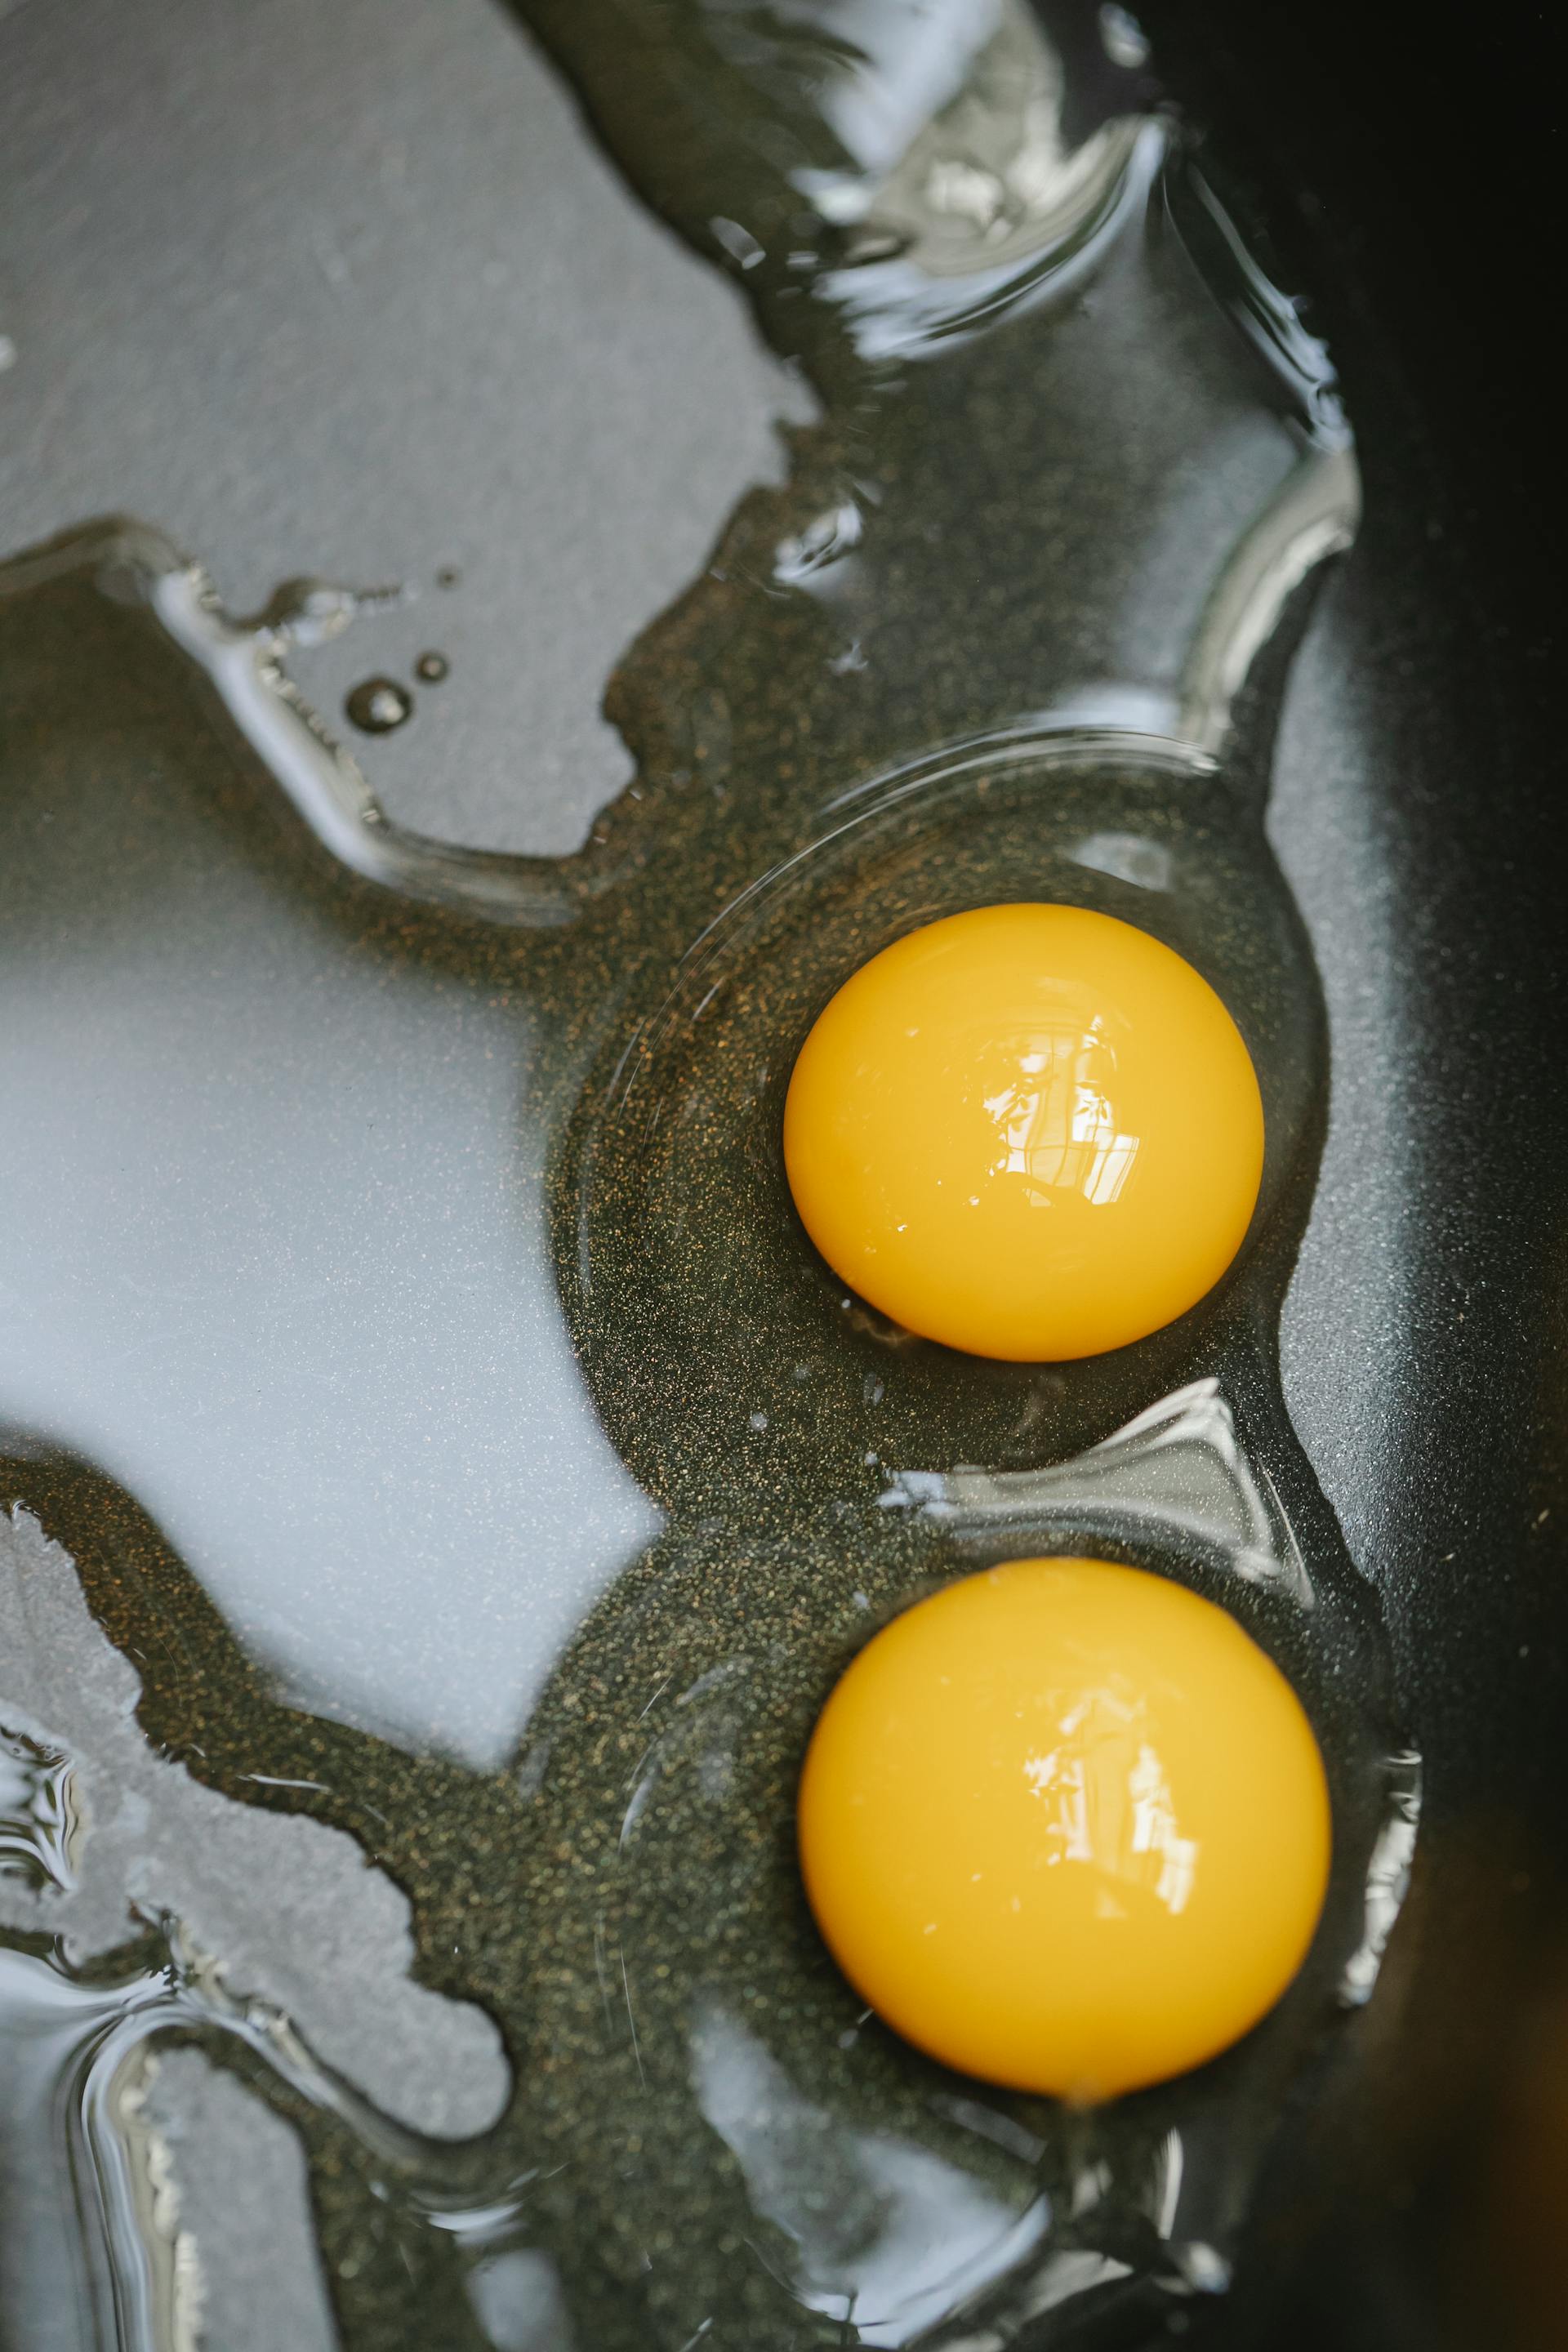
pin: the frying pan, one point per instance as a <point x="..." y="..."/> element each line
<point x="1405" y="183"/>
<point x="1438" y="2155"/>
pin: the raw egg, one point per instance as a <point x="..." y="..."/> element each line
<point x="1030" y="1132"/>
<point x="1065" y="1826"/>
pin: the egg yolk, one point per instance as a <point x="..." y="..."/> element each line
<point x="1030" y="1132"/>
<point x="1065" y="1826"/>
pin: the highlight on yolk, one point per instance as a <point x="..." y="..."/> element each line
<point x="1031" y="1131"/>
<point x="1065" y="1826"/>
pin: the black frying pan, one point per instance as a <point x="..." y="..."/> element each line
<point x="1412" y="2197"/>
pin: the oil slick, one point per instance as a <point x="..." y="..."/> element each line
<point x="1177" y="1470"/>
<point x="154" y="1866"/>
<point x="42" y="1822"/>
<point x="246" y="1303"/>
<point x="405" y="1321"/>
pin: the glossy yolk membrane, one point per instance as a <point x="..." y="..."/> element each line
<point x="1066" y="1827"/>
<point x="1030" y="1132"/>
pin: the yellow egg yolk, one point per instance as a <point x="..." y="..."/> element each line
<point x="1030" y="1132"/>
<point x="1065" y="1826"/>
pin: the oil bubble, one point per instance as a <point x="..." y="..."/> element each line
<point x="378" y="705"/>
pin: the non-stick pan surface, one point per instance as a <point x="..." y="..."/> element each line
<point x="1399" y="177"/>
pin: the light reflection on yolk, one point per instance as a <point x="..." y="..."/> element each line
<point x="1065" y="1826"/>
<point x="1031" y="1131"/>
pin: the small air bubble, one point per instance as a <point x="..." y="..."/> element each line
<point x="431" y="667"/>
<point x="377" y="705"/>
